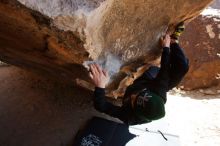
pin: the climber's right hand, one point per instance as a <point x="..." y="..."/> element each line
<point x="99" y="76"/>
<point x="165" y="41"/>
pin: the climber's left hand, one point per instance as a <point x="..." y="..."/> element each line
<point x="99" y="76"/>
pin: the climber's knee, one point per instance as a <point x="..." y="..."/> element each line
<point x="185" y="66"/>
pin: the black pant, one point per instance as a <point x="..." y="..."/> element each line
<point x="174" y="66"/>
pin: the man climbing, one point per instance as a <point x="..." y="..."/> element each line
<point x="144" y="100"/>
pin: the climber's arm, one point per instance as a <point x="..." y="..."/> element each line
<point x="102" y="105"/>
<point x="162" y="79"/>
<point x="165" y="58"/>
<point x="100" y="79"/>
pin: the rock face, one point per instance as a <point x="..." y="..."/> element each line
<point x="215" y="4"/>
<point x="28" y="40"/>
<point x="64" y="34"/>
<point x="201" y="42"/>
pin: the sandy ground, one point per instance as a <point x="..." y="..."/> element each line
<point x="196" y="121"/>
<point x="35" y="111"/>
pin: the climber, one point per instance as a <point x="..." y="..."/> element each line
<point x="144" y="100"/>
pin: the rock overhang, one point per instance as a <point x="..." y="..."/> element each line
<point x="120" y="34"/>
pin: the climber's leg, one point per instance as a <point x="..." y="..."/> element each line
<point x="149" y="74"/>
<point x="179" y="62"/>
<point x="179" y="65"/>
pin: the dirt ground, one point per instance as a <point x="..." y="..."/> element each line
<point x="35" y="111"/>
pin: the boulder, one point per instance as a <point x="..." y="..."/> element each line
<point x="201" y="42"/>
<point x="57" y="37"/>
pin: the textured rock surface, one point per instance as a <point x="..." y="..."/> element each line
<point x="215" y="4"/>
<point x="201" y="42"/>
<point x="27" y="40"/>
<point x="125" y="28"/>
<point x="117" y="31"/>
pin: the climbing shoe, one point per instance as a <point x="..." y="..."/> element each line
<point x="178" y="31"/>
